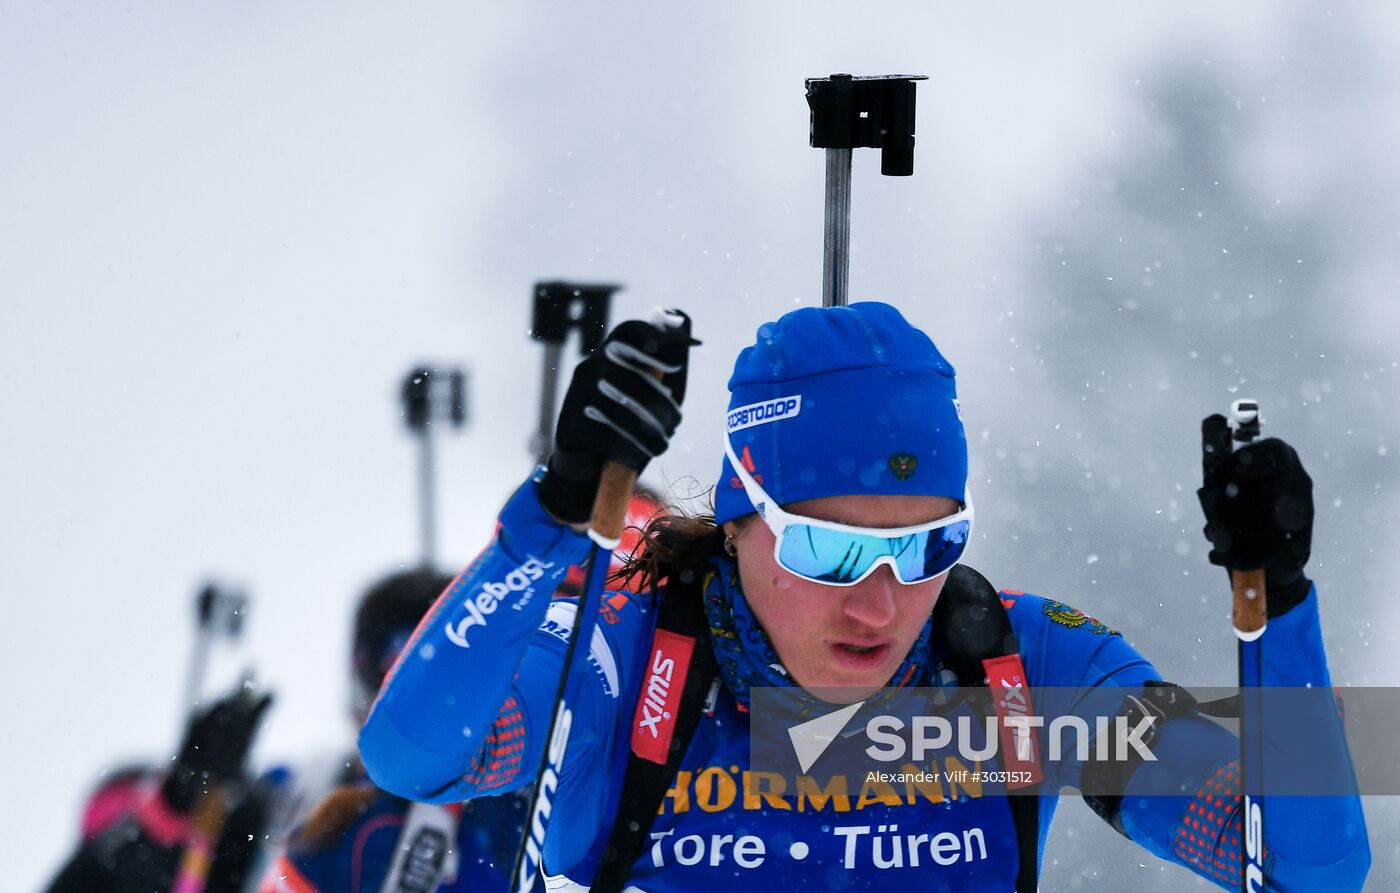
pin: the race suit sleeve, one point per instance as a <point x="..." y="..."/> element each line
<point x="464" y="710"/>
<point x="1186" y="806"/>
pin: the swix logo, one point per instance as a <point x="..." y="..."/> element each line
<point x="544" y="799"/>
<point x="1006" y="677"/>
<point x="654" y="698"/>
<point x="655" y="722"/>
<point x="1253" y="845"/>
<point x="1014" y="703"/>
<point x="745" y="459"/>
<point x="484" y="602"/>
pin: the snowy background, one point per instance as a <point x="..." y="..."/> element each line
<point x="227" y="231"/>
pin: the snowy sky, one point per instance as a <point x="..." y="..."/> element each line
<point x="227" y="230"/>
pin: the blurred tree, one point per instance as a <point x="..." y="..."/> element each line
<point x="1221" y="251"/>
<point x="1237" y="241"/>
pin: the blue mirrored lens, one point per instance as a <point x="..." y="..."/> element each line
<point x="942" y="548"/>
<point x="835" y="556"/>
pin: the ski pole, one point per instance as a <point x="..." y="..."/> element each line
<point x="850" y="113"/>
<point x="560" y="307"/>
<point x="429" y="396"/>
<point x="197" y="860"/>
<point x="1250" y="618"/>
<point x="605" y="528"/>
<point x="529" y="859"/>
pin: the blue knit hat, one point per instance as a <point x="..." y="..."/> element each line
<point x="839" y="401"/>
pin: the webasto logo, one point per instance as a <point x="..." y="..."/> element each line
<point x="488" y="598"/>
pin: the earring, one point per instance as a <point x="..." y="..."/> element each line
<point x="729" y="548"/>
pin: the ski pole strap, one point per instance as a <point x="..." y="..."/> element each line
<point x="680" y="620"/>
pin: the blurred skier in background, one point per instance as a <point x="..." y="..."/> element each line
<point x="354" y="830"/>
<point x="146" y="831"/>
<point x="360" y="838"/>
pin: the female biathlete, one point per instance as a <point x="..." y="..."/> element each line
<point x="840" y="510"/>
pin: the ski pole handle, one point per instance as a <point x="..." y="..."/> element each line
<point x="1250" y="614"/>
<point x="615" y="490"/>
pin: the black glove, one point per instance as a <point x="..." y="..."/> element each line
<point x="216" y="744"/>
<point x="616" y="409"/>
<point x="1259" y="511"/>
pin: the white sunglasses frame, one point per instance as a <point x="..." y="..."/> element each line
<point x="778" y="520"/>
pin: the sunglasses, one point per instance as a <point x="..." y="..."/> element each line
<point x="843" y="555"/>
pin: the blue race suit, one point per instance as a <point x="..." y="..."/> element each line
<point x="350" y="844"/>
<point x="464" y="711"/>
